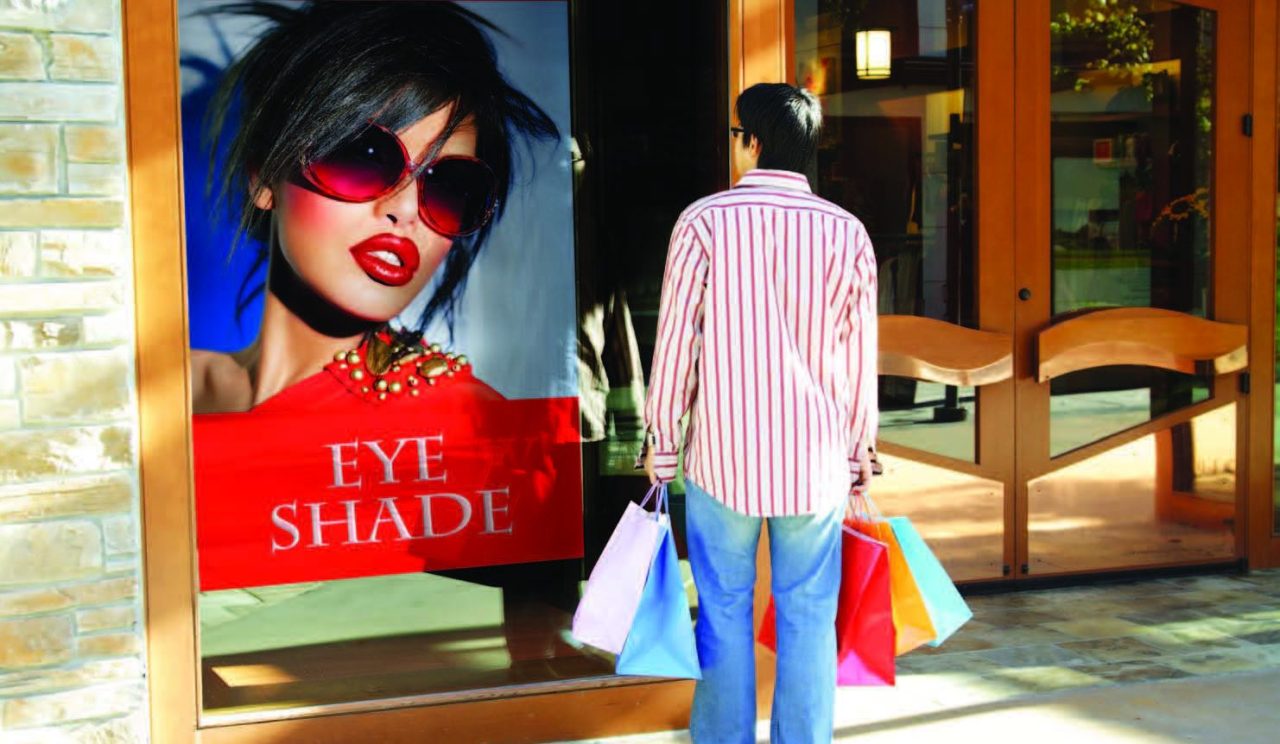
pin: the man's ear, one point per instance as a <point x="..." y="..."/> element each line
<point x="262" y="197"/>
<point x="754" y="147"/>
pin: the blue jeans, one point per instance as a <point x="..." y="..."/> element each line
<point x="804" y="552"/>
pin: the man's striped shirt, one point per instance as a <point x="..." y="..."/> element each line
<point x="767" y="339"/>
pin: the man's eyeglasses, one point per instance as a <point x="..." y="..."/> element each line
<point x="736" y="131"/>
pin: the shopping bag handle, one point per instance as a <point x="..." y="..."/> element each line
<point x="860" y="504"/>
<point x="661" y="506"/>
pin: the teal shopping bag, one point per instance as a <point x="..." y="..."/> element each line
<point x="947" y="609"/>
<point x="661" y="643"/>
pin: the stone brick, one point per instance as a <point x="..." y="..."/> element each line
<point x="106" y="618"/>
<point x="93" y="143"/>
<point x="59" y="102"/>
<point x="44" y="552"/>
<point x="63" y="212"/>
<point x="8" y="376"/>
<point x="109" y="328"/>
<point x="98" y="701"/>
<point x="123" y="563"/>
<point x="10" y="414"/>
<point x="87" y="58"/>
<point x="120" y="534"/>
<point x="82" y="253"/>
<point x="27" y="335"/>
<point x="94" y="495"/>
<point x="36" y="641"/>
<point x="17" y="255"/>
<point x="59" y="298"/>
<point x="102" y="592"/>
<point x="27" y="455"/>
<point x="77" y="386"/>
<point x="95" y="179"/>
<point x="32" y="602"/>
<point x="32" y="681"/>
<point x="21" y="57"/>
<point x="110" y="644"/>
<point x="28" y="159"/>
<point x="60" y="15"/>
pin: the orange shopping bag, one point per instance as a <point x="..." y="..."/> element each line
<point x="910" y="617"/>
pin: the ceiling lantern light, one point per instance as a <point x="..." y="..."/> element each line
<point x="873" y="52"/>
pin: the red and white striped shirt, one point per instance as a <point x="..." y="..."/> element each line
<point x="767" y="337"/>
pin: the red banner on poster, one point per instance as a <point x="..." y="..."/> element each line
<point x="349" y="488"/>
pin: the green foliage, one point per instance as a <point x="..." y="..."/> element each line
<point x="1112" y="33"/>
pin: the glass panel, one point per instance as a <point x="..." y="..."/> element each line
<point x="1132" y="112"/>
<point x="961" y="516"/>
<point x="1093" y="404"/>
<point x="935" y="418"/>
<point x="1169" y="497"/>
<point x="348" y="551"/>
<point x="897" y="152"/>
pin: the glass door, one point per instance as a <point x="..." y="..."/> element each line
<point x="1131" y="272"/>
<point x="1062" y="246"/>
<point x="912" y="92"/>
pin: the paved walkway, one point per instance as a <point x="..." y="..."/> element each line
<point x="1190" y="659"/>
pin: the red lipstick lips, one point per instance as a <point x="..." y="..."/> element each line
<point x="387" y="259"/>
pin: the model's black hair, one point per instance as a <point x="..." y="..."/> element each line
<point x="786" y="120"/>
<point x="323" y="69"/>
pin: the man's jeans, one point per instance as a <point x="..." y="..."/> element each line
<point x="805" y="556"/>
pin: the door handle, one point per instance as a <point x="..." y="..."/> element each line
<point x="1024" y="294"/>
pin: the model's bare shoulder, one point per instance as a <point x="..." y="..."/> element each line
<point x="219" y="384"/>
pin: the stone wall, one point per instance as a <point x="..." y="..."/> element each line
<point x="71" y="643"/>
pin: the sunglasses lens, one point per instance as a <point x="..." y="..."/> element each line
<point x="457" y="195"/>
<point x="362" y="167"/>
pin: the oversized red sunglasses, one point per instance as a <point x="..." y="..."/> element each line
<point x="456" y="193"/>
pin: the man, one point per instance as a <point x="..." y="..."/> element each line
<point x="767" y="339"/>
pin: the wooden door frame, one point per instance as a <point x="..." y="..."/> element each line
<point x="1263" y="548"/>
<point x="1236" y="228"/>
<point x="152" y="111"/>
<point x="762" y="50"/>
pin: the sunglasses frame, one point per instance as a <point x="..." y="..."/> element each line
<point x="406" y="169"/>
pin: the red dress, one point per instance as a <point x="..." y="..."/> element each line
<point x="366" y="469"/>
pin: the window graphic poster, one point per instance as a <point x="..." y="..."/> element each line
<point x="381" y="284"/>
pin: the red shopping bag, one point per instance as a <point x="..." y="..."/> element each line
<point x="865" y="637"/>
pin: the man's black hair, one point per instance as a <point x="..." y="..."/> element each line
<point x="325" y="68"/>
<point x="786" y="121"/>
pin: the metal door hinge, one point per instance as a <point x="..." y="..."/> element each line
<point x="1008" y="569"/>
<point x="1246" y="125"/>
<point x="1246" y="382"/>
<point x="1026" y="569"/>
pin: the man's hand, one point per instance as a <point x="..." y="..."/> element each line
<point x="648" y="466"/>
<point x="864" y="473"/>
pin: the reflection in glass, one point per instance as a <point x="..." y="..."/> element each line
<point x="1169" y="497"/>
<point x="1132" y="112"/>
<point x="1093" y="404"/>
<point x="897" y="152"/>
<point x="938" y="418"/>
<point x="961" y="516"/>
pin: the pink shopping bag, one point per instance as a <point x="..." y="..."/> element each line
<point x="608" y="604"/>
<point x="865" y="636"/>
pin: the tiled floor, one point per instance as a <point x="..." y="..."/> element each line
<point x="1109" y="634"/>
<point x="1070" y="658"/>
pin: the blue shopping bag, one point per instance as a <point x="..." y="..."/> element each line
<point x="661" y="643"/>
<point x="947" y="609"/>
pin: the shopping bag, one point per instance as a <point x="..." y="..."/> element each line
<point x="910" y="618"/>
<point x="864" y="615"/>
<point x="947" y="609"/>
<point x="661" y="643"/>
<point x="613" y="590"/>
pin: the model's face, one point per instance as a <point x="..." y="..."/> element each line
<point x="360" y="256"/>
